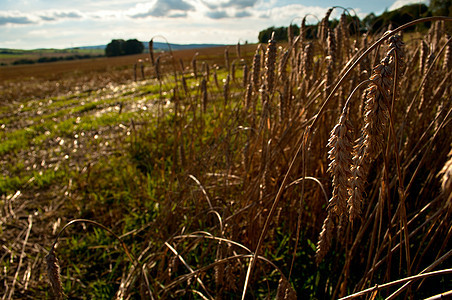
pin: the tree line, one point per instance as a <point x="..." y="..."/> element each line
<point x="371" y="23"/>
<point x="47" y="59"/>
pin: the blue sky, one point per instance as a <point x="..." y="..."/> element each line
<point x="30" y="24"/>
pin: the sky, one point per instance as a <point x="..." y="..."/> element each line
<point x="31" y="24"/>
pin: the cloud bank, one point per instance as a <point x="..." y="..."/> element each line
<point x="43" y="23"/>
<point x="18" y="18"/>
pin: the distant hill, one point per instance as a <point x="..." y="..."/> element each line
<point x="164" y="46"/>
<point x="19" y="56"/>
<point x="90" y="47"/>
<point x="159" y="46"/>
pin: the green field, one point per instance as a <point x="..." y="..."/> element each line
<point x="10" y="56"/>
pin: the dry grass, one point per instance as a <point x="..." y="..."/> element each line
<point x="242" y="167"/>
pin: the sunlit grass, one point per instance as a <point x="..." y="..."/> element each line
<point x="34" y="179"/>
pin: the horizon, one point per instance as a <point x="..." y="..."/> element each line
<point x="104" y="45"/>
<point x="43" y="24"/>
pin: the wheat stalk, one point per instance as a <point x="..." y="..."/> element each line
<point x="204" y="94"/>
<point x="151" y="50"/>
<point x="195" y="65"/>
<point x="270" y="63"/>
<point x="255" y="76"/>
<point x="226" y="90"/>
<point x="226" y="59"/>
<point x="446" y="182"/>
<point x="330" y="59"/>
<point x="447" y="63"/>
<point x="245" y="75"/>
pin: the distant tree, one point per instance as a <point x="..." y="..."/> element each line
<point x="265" y="35"/>
<point x="280" y="33"/>
<point x="373" y="23"/>
<point x="354" y="24"/>
<point x="369" y="20"/>
<point x="441" y="7"/>
<point x="396" y="17"/>
<point x="24" y="61"/>
<point x="115" y="48"/>
<point x="121" y="47"/>
<point x="133" y="47"/>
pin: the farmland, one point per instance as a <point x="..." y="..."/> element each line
<point x="11" y="56"/>
<point x="311" y="169"/>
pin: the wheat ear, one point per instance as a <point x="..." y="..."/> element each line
<point x="376" y="115"/>
<point x="255" y="77"/>
<point x="340" y="155"/>
<point x="324" y="243"/>
<point x="53" y="271"/>
<point x="270" y="64"/>
<point x="446" y="182"/>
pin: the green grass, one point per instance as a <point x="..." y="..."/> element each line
<point x="141" y="188"/>
<point x="34" y="179"/>
<point x="18" y="139"/>
<point x="58" y="123"/>
<point x="130" y="187"/>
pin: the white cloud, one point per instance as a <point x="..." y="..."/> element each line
<point x="214" y="4"/>
<point x="283" y="16"/>
<point x="15" y="18"/>
<point x="166" y="8"/>
<point x="401" y="3"/>
<point x="18" y="18"/>
<point x="180" y="21"/>
<point x="242" y="14"/>
<point x="60" y="15"/>
<point x="217" y="14"/>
